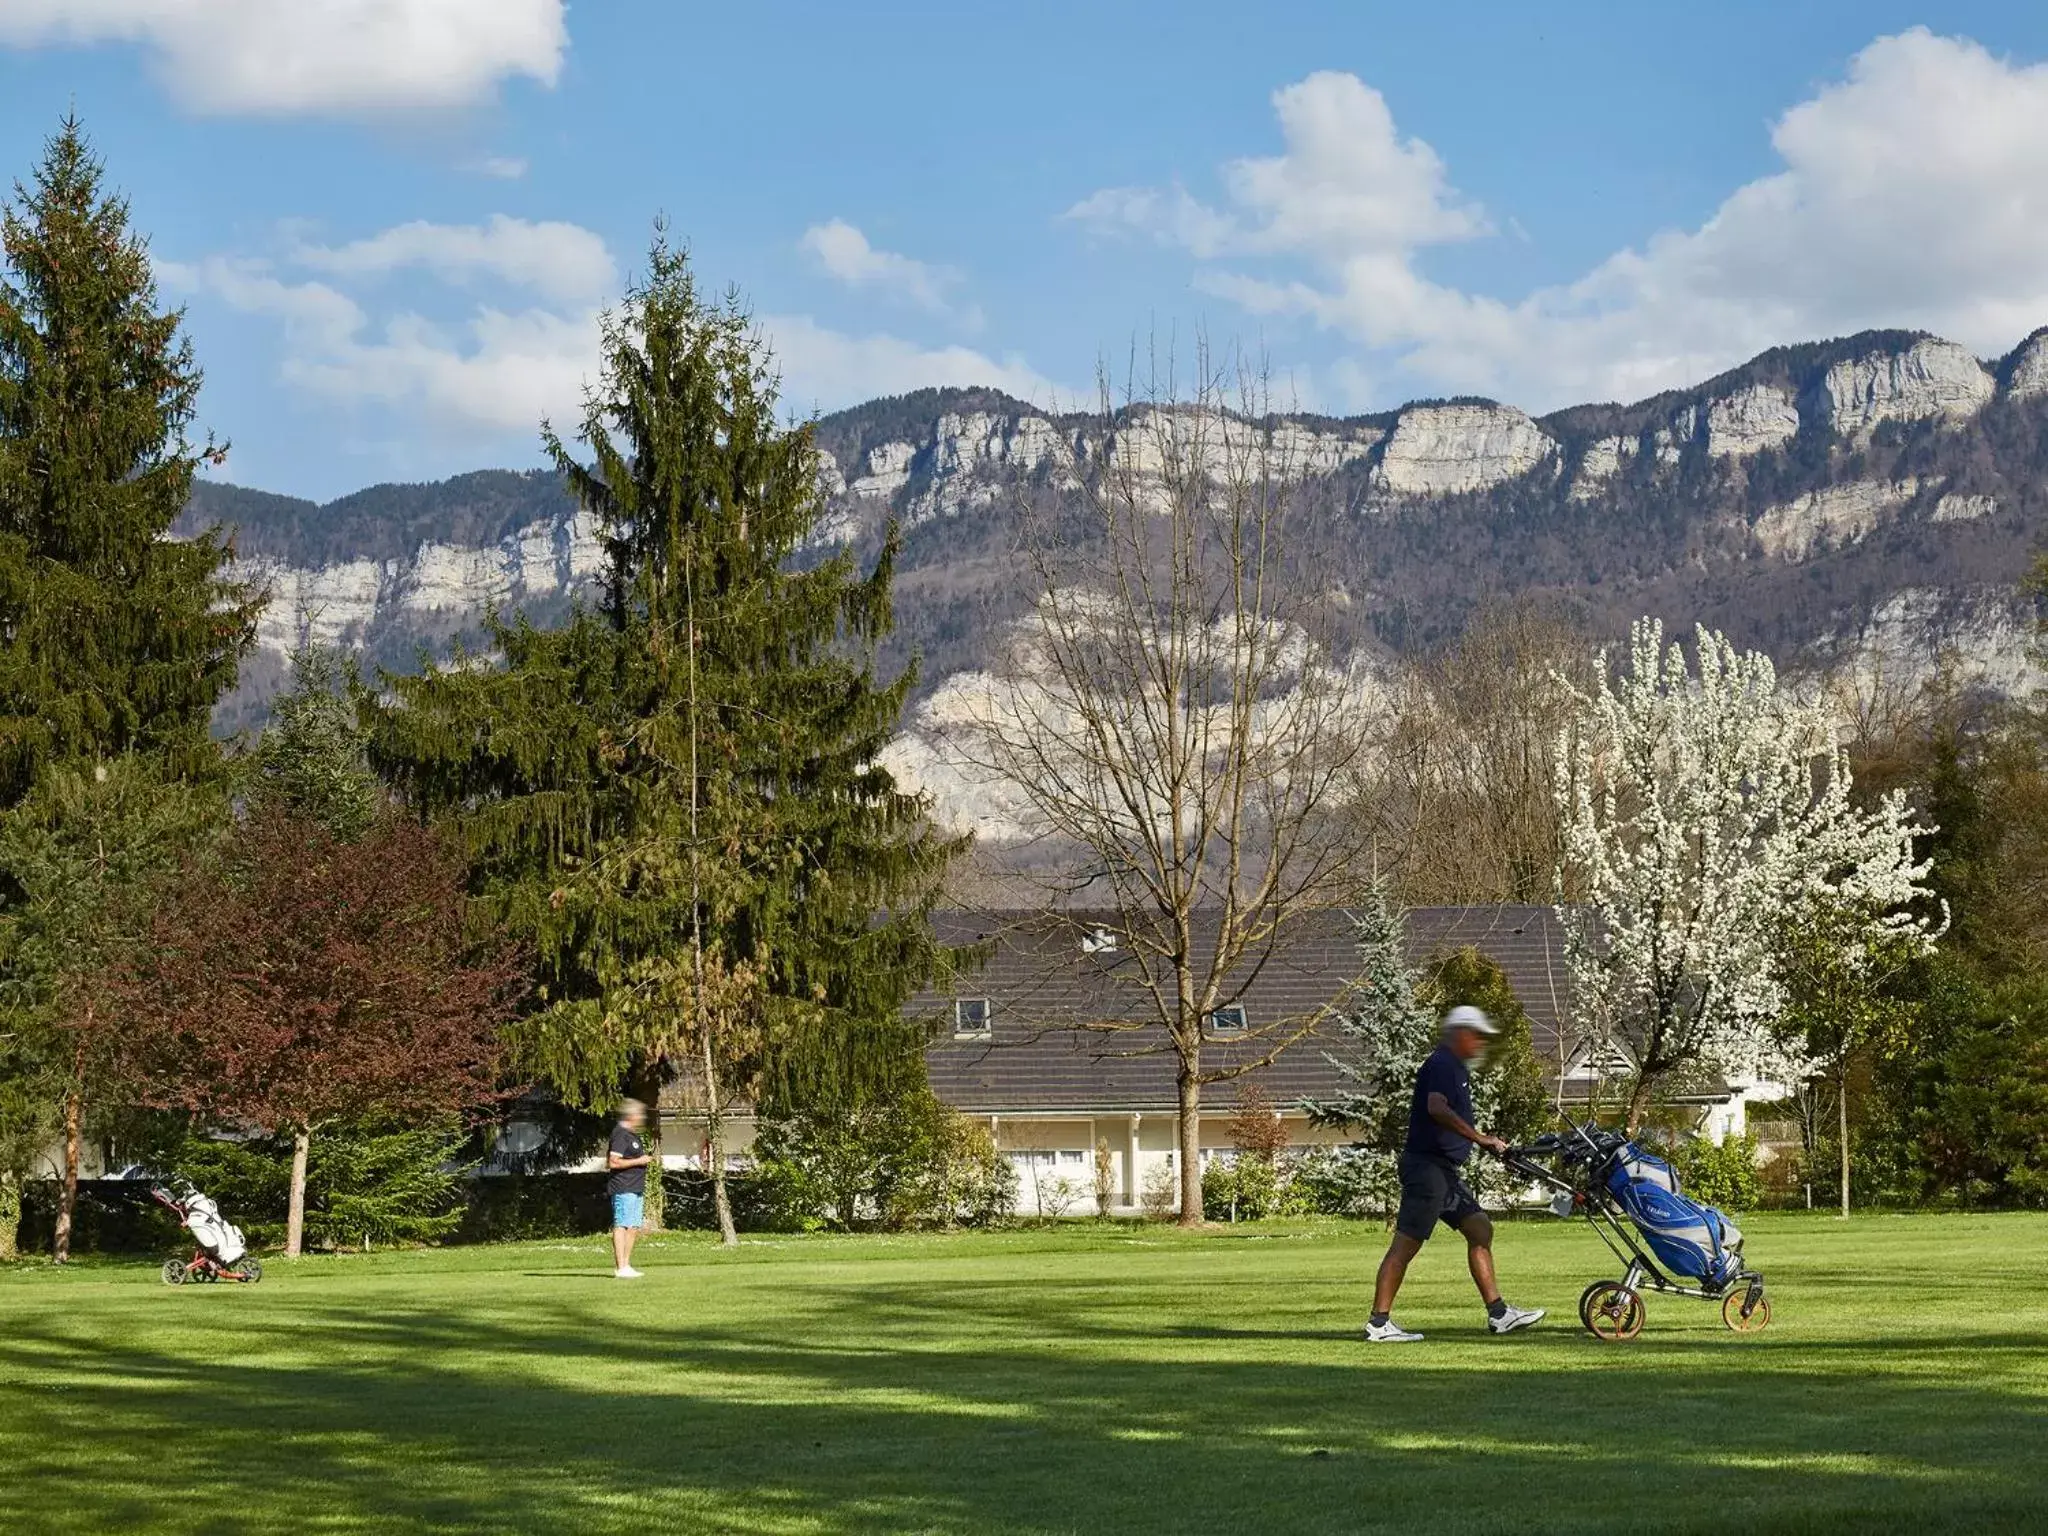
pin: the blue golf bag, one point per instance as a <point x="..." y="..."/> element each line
<point x="1688" y="1238"/>
<point x="1665" y="1242"/>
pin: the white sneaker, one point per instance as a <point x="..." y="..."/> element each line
<point x="629" y="1273"/>
<point x="1390" y="1332"/>
<point x="1515" y="1317"/>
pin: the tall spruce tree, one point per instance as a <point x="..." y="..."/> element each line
<point x="113" y="638"/>
<point x="115" y="641"/>
<point x="678" y="799"/>
<point x="1388" y="1028"/>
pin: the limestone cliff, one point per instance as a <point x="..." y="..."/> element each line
<point x="1791" y="500"/>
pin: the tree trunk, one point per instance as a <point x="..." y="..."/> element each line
<point x="67" y="1192"/>
<point x="10" y="1218"/>
<point x="295" y="1212"/>
<point x="714" y="1131"/>
<point x="1842" y="1130"/>
<point x="721" y="1200"/>
<point x="1190" y="1145"/>
<point x="1638" y="1104"/>
<point x="655" y="1204"/>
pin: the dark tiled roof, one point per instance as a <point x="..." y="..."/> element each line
<point x="1043" y="987"/>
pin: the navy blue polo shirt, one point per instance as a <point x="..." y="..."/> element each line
<point x="1442" y="1073"/>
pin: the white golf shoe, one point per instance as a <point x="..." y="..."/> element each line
<point x="627" y="1273"/>
<point x="1390" y="1332"/>
<point x="1515" y="1317"/>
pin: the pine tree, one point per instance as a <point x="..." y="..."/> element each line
<point x="115" y="641"/>
<point x="315" y="755"/>
<point x="113" y="638"/>
<point x="1390" y="1029"/>
<point x="678" y="798"/>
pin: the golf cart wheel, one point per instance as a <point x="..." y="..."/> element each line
<point x="250" y="1270"/>
<point x="1757" y="1321"/>
<point x="174" y="1271"/>
<point x="1611" y="1311"/>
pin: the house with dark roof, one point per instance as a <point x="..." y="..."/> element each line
<point x="1053" y="1042"/>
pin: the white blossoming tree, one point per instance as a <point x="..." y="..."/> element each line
<point x="1702" y="805"/>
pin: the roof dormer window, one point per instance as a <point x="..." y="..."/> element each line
<point x="1228" y="1021"/>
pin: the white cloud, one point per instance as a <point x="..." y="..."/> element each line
<point x="827" y="369"/>
<point x="844" y="253"/>
<point x="561" y="261"/>
<point x="1348" y="184"/>
<point x="501" y="167"/>
<point x="322" y="57"/>
<point x="1914" y="192"/>
<point x="500" y="370"/>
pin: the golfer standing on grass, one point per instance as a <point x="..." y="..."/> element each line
<point x="627" y="1160"/>
<point x="1441" y="1137"/>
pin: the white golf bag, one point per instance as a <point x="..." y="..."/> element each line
<point x="220" y="1238"/>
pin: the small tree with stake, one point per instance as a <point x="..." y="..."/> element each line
<point x="679" y="801"/>
<point x="307" y="978"/>
<point x="1843" y="973"/>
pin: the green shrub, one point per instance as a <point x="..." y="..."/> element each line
<point x="1358" y="1182"/>
<point x="895" y="1163"/>
<point x="525" y="1206"/>
<point x="1723" y="1174"/>
<point x="365" y="1184"/>
<point x="1244" y="1188"/>
<point x="1355" y="1182"/>
<point x="380" y="1184"/>
<point x="690" y="1205"/>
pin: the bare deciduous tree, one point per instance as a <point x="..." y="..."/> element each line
<point x="1465" y="795"/>
<point x="1168" y="720"/>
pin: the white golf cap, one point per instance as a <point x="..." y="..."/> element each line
<point x="1465" y="1016"/>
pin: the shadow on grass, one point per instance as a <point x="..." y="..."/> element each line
<point x="974" y="1409"/>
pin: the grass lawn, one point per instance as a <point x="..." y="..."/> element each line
<point x="1130" y="1379"/>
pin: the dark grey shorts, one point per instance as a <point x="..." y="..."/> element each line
<point x="1432" y="1191"/>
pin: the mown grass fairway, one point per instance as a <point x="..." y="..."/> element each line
<point x="1074" y="1380"/>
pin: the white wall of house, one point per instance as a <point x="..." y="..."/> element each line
<point x="1053" y="1152"/>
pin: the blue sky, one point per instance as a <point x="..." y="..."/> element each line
<point x="394" y="220"/>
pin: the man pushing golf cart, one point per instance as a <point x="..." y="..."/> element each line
<point x="1665" y="1241"/>
<point x="1441" y="1137"/>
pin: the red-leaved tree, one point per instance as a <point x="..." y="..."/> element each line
<point x="301" y="978"/>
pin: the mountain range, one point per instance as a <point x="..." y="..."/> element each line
<point x="1873" y="499"/>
